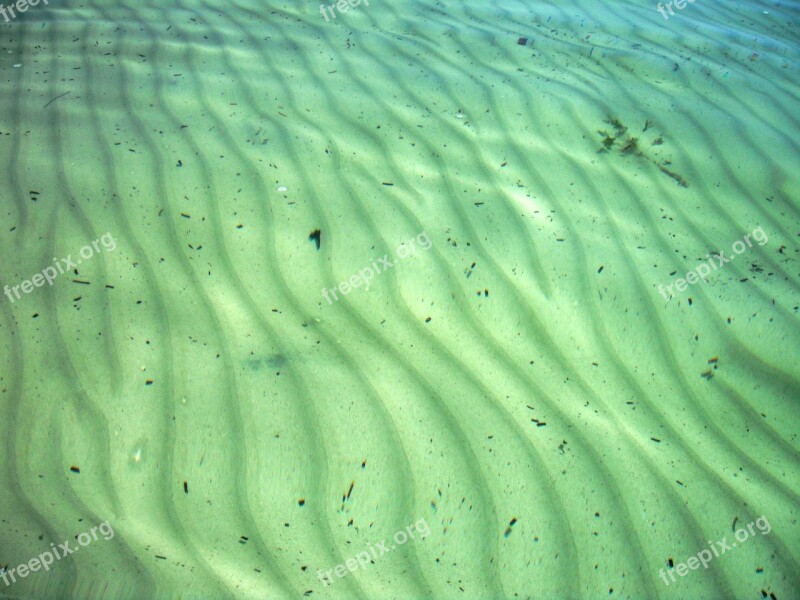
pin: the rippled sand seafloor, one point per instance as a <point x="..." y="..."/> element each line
<point x="521" y="387"/>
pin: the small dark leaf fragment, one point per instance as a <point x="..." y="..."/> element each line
<point x="316" y="237"/>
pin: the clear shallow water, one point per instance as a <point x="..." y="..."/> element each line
<point x="251" y="376"/>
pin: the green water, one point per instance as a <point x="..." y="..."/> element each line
<point x="400" y="300"/>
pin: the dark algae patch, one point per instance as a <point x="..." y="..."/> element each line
<point x="613" y="137"/>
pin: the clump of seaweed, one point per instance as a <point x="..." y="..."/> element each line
<point x="619" y="128"/>
<point x="608" y="138"/>
<point x="608" y="141"/>
<point x="631" y="146"/>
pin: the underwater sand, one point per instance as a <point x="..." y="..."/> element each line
<point x="518" y="387"/>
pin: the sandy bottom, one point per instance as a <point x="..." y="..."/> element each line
<point x="431" y="292"/>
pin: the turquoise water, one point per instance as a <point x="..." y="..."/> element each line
<point x="400" y="300"/>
